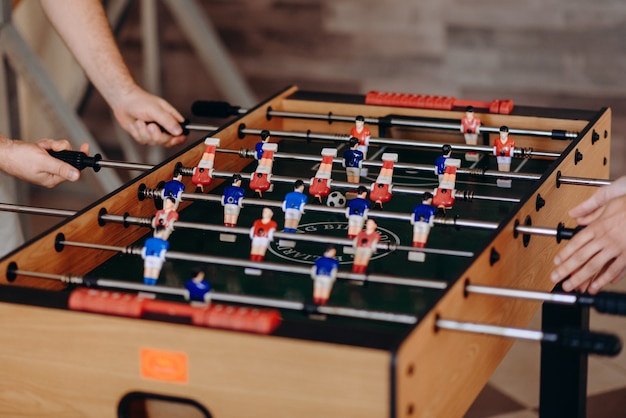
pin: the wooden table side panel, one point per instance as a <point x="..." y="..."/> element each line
<point x="61" y="363"/>
<point x="440" y="373"/>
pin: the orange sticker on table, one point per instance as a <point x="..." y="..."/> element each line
<point x="166" y="366"/>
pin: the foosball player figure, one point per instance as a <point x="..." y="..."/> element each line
<point x="153" y="254"/>
<point x="443" y="199"/>
<point x="232" y="200"/>
<point x="440" y="162"/>
<point x="353" y="160"/>
<point x="470" y="127"/>
<point x="261" y="233"/>
<point x="422" y="220"/>
<point x="260" y="180"/>
<point x="324" y="274"/>
<point x="320" y="184"/>
<point x="258" y="147"/>
<point x="203" y="172"/>
<point x="166" y="217"/>
<point x="293" y="206"/>
<point x="363" y="134"/>
<point x="503" y="149"/>
<point x="448" y="180"/>
<point x="356" y="212"/>
<point x="197" y="286"/>
<point x="174" y="188"/>
<point x="382" y="188"/>
<point x="365" y="245"/>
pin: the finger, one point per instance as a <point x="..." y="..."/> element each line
<point x="157" y="135"/>
<point x="84" y="148"/>
<point x="581" y="239"/>
<point x="589" y="218"/>
<point x="613" y="272"/>
<point x="139" y="131"/>
<point x="66" y="172"/>
<point x="588" y="270"/>
<point x="570" y="266"/>
<point x="61" y="145"/>
<point x="177" y="140"/>
<point x="588" y="206"/>
<point x="169" y="123"/>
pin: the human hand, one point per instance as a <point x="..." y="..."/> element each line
<point x="587" y="211"/>
<point x="143" y="114"/>
<point x="595" y="256"/>
<point x="31" y="162"/>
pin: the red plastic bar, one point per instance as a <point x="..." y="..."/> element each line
<point x="435" y="102"/>
<point x="261" y="321"/>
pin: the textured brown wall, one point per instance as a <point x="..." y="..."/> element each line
<point x="558" y="53"/>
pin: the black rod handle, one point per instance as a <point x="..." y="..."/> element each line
<point x="612" y="303"/>
<point x="214" y="109"/>
<point x="590" y="342"/>
<point x="77" y="159"/>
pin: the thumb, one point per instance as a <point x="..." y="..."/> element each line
<point x="68" y="172"/>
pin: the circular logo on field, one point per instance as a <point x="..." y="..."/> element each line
<point x="306" y="253"/>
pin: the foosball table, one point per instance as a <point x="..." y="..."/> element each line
<point x="415" y="331"/>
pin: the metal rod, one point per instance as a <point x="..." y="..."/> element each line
<point x="284" y="268"/>
<point x="536" y="230"/>
<point x="407" y="166"/>
<point x="477" y="328"/>
<point x="403" y="142"/>
<point x="196" y="127"/>
<point x="323" y="239"/>
<point x="234" y="298"/>
<point x="36" y="211"/>
<point x="584" y="182"/>
<point x="416" y="123"/>
<point x="124" y="165"/>
<point x="458" y="194"/>
<point x="562" y="298"/>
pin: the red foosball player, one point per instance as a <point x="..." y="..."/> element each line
<point x="365" y="245"/>
<point x="422" y="220"/>
<point x="381" y="190"/>
<point x="231" y="200"/>
<point x="503" y="149"/>
<point x="166" y="217"/>
<point x="470" y="127"/>
<point x="443" y="198"/>
<point x="203" y="173"/>
<point x="153" y="254"/>
<point x="356" y="212"/>
<point x="261" y="233"/>
<point x="324" y="274"/>
<point x="260" y="180"/>
<point x="362" y="133"/>
<point x="320" y="184"/>
<point x="448" y="179"/>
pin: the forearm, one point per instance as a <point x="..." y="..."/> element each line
<point x="84" y="27"/>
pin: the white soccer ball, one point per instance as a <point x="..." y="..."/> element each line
<point x="336" y="200"/>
